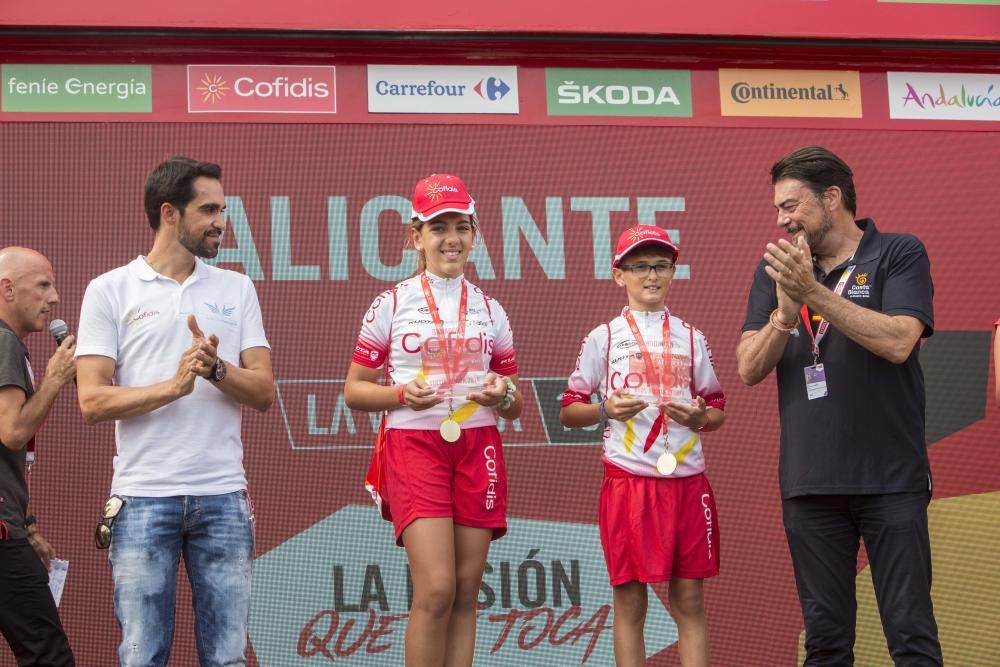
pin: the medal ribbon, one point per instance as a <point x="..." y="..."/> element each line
<point x="652" y="379"/>
<point x="824" y="324"/>
<point x="450" y="363"/>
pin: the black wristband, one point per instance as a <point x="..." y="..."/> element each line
<point x="30" y="520"/>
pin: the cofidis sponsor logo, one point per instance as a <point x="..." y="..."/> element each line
<point x="77" y="88"/>
<point x="790" y="93"/>
<point x="261" y="89"/>
<point x="618" y="92"/>
<point x="443" y="89"/>
<point x="929" y="96"/>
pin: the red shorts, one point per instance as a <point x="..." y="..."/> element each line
<point x="427" y="477"/>
<point x="656" y="528"/>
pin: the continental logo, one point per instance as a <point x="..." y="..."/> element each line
<point x="790" y="93"/>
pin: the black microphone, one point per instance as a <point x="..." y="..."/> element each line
<point x="59" y="330"/>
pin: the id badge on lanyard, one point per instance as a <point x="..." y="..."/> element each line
<point x="815" y="374"/>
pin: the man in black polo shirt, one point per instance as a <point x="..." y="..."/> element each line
<point x="840" y="311"/>
<point x="28" y="618"/>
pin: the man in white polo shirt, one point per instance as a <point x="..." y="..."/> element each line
<point x="171" y="348"/>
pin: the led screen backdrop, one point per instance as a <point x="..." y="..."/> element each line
<point x="316" y="219"/>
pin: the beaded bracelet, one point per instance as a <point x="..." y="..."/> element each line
<point x="781" y="326"/>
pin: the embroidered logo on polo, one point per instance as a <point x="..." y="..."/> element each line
<point x="861" y="289"/>
<point x="138" y="316"/>
<point x="224" y="311"/>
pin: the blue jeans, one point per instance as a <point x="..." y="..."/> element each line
<point x="215" y="534"/>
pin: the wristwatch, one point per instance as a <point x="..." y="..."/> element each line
<point x="217" y="372"/>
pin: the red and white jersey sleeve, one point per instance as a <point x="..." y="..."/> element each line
<point x="590" y="375"/>
<point x="503" y="361"/>
<point x="372" y="348"/>
<point x="706" y="383"/>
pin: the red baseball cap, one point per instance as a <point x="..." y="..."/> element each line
<point x="441" y="193"/>
<point x="641" y="235"/>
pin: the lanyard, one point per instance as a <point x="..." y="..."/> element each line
<point x="439" y="325"/>
<point x="824" y="324"/>
<point x="652" y="378"/>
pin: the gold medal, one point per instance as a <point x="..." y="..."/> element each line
<point x="450" y="430"/>
<point x="666" y="464"/>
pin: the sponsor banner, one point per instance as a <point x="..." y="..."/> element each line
<point x="316" y="417"/>
<point x="340" y="591"/>
<point x="931" y="96"/>
<point x="77" y="88"/>
<point x="443" y="89"/>
<point x="261" y="89"/>
<point x="618" y="92"/>
<point x="790" y="93"/>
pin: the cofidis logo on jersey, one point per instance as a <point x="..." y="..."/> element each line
<point x="261" y="89"/>
<point x="618" y="92"/>
<point x="790" y="93"/>
<point x="444" y="89"/>
<point x="929" y="96"/>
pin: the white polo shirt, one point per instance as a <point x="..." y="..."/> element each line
<point x="138" y="317"/>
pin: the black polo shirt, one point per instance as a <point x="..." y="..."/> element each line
<point x="13" y="487"/>
<point x="867" y="435"/>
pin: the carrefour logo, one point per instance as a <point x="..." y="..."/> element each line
<point x="494" y="88"/>
<point x="261" y="89"/>
<point x="618" y="92"/>
<point x="443" y="89"/>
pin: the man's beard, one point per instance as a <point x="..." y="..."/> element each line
<point x="815" y="238"/>
<point x="199" y="246"/>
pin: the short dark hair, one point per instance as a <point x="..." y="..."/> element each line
<point x="173" y="182"/>
<point x="819" y="169"/>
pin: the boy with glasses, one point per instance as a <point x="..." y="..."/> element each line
<point x="657" y="518"/>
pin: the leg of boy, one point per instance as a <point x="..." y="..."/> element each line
<point x="687" y="606"/>
<point x="630" y="617"/>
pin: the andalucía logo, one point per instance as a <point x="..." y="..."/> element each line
<point x="930" y="96"/>
<point x="261" y="89"/>
<point x="790" y="93"/>
<point x="442" y="89"/>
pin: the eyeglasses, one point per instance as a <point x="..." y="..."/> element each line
<point x="102" y="534"/>
<point x="641" y="270"/>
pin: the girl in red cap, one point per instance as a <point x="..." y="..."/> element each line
<point x="659" y="393"/>
<point x="450" y="372"/>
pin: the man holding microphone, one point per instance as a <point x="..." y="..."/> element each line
<point x="28" y="617"/>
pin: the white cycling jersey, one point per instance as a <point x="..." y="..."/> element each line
<point x="610" y="360"/>
<point x="398" y="325"/>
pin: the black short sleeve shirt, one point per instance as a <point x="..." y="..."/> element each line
<point x="867" y="435"/>
<point x="13" y="487"/>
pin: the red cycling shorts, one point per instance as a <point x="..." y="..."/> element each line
<point x="427" y="477"/>
<point x="657" y="528"/>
